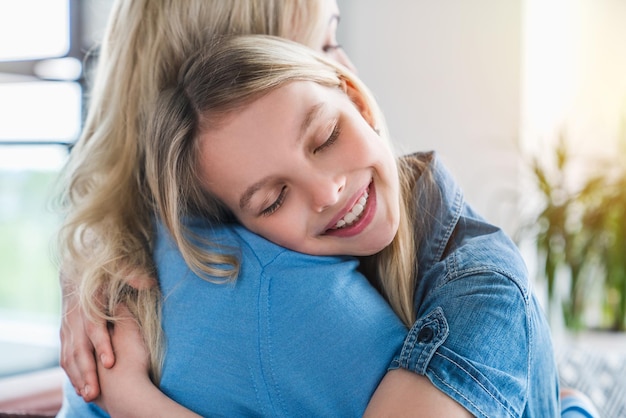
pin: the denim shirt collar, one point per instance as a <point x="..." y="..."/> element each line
<point x="442" y="209"/>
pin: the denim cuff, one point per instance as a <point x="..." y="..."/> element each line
<point x="424" y="353"/>
<point x="424" y="338"/>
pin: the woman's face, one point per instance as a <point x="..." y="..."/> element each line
<point x="303" y="168"/>
<point x="328" y="44"/>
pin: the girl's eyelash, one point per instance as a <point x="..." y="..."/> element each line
<point x="331" y="47"/>
<point x="277" y="203"/>
<point x="331" y="139"/>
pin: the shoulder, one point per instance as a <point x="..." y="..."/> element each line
<point x="320" y="319"/>
<point x="480" y="335"/>
<point x="252" y="252"/>
<point x="211" y="327"/>
<point x="283" y="330"/>
<point x="480" y="248"/>
<point x="460" y="239"/>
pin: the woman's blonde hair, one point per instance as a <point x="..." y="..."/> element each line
<point x="223" y="77"/>
<point x="107" y="235"/>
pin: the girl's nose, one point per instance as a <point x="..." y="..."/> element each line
<point x="325" y="193"/>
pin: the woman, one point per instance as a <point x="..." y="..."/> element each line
<point x="144" y="45"/>
<point x="294" y="148"/>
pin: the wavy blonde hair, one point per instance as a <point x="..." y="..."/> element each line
<point x="112" y="190"/>
<point x="222" y="78"/>
<point x="107" y="236"/>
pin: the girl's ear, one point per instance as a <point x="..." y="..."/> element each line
<point x="357" y="97"/>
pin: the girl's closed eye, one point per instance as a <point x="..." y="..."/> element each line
<point x="332" y="138"/>
<point x="277" y="203"/>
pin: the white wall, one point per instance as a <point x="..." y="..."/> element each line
<point x="478" y="80"/>
<point x="447" y="75"/>
<point x="575" y="74"/>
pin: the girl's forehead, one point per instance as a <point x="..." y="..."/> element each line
<point x="289" y="96"/>
<point x="280" y="120"/>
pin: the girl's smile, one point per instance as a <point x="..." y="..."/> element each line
<point x="357" y="217"/>
<point x="306" y="170"/>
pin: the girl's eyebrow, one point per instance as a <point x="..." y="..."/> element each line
<point x="244" y="201"/>
<point x="309" y="117"/>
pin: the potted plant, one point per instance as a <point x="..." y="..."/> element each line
<point x="580" y="237"/>
<point x="606" y="220"/>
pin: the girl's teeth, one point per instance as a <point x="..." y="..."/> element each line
<point x="349" y="218"/>
<point x="353" y="215"/>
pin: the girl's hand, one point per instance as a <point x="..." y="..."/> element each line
<point x="83" y="343"/>
<point x="121" y="384"/>
<point x="86" y="344"/>
<point x="127" y="390"/>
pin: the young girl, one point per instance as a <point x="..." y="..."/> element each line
<point x="293" y="147"/>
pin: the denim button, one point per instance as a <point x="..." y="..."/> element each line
<point x="425" y="335"/>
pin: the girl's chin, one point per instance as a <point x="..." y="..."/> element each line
<point x="373" y="247"/>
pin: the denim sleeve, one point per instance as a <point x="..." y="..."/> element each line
<point x="473" y="339"/>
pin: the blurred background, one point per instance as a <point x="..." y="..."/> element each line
<point x="503" y="90"/>
<point x="484" y="81"/>
<point x="42" y="55"/>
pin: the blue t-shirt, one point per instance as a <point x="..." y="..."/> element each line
<point x="294" y="335"/>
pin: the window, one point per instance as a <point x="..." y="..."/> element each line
<point x="41" y="90"/>
<point x="29" y="291"/>
<point x="37" y="29"/>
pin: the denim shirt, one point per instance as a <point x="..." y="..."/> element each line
<point x="481" y="336"/>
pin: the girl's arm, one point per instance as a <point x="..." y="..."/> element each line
<point x="406" y="394"/>
<point x="127" y="391"/>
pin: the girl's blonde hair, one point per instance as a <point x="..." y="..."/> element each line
<point x="107" y="235"/>
<point x="220" y="79"/>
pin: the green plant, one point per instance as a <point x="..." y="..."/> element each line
<point x="607" y="221"/>
<point x="580" y="231"/>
